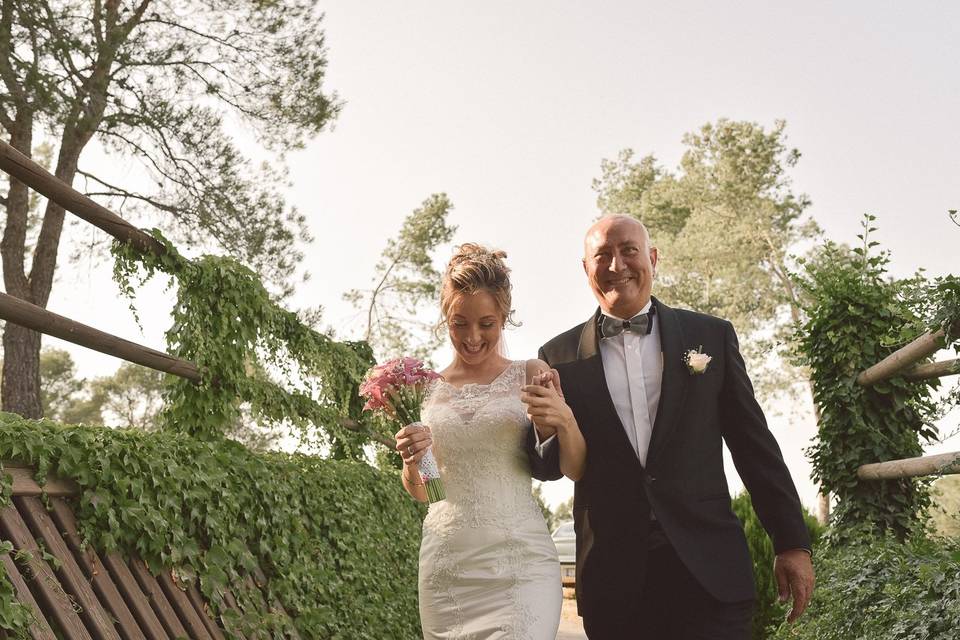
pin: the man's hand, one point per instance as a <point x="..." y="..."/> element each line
<point x="550" y="379"/>
<point x="546" y="408"/>
<point x="793" y="571"/>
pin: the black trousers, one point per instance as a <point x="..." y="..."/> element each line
<point x="674" y="606"/>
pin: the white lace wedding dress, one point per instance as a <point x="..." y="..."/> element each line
<point x="488" y="567"/>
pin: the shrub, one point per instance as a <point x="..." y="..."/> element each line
<point x="769" y="611"/>
<point x="880" y="589"/>
<point x="337" y="540"/>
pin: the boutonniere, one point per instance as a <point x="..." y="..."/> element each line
<point x="696" y="361"/>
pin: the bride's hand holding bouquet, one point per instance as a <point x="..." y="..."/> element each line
<point x="397" y="389"/>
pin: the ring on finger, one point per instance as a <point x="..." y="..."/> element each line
<point x="410" y="451"/>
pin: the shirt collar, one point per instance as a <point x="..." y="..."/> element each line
<point x="646" y="308"/>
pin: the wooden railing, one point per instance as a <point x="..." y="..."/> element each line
<point x="85" y="594"/>
<point x="904" y="362"/>
<point x="25" y="314"/>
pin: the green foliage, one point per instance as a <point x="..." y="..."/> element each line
<point x="405" y="280"/>
<point x="132" y="396"/>
<point x="855" y="315"/>
<point x="337" y="539"/>
<point x="544" y="509"/>
<point x="164" y="91"/>
<point x="769" y="611"/>
<point x="882" y="589"/>
<point x="66" y="397"/>
<point x="226" y="322"/>
<point x="564" y="511"/>
<point x="725" y="223"/>
<point x="63" y="395"/>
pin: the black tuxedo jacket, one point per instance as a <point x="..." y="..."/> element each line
<point x="683" y="482"/>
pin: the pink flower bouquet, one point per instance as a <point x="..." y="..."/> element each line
<point x="397" y="389"/>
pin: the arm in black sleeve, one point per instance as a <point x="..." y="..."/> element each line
<point x="757" y="455"/>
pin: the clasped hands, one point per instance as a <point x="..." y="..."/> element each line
<point x="546" y="407"/>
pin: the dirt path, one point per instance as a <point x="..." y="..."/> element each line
<point x="571" y="627"/>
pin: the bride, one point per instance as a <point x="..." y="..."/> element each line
<point x="488" y="567"/>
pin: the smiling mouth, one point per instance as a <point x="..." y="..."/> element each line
<point x="619" y="282"/>
<point x="473" y="349"/>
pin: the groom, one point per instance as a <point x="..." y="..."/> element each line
<point x="660" y="554"/>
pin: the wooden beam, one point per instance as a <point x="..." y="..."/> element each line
<point x="39" y="628"/>
<point x="21" y="312"/>
<point x="24" y="483"/>
<point x="933" y="370"/>
<point x="941" y="464"/>
<point x="94" y="570"/>
<point x="55" y="602"/>
<point x="99" y="622"/>
<point x="153" y="592"/>
<point x="42" y="181"/>
<point x="924" y="346"/>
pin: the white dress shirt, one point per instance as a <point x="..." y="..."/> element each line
<point x="633" y="368"/>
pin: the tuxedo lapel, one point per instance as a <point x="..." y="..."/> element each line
<point x="594" y="383"/>
<point x="673" y="385"/>
<point x="589" y="341"/>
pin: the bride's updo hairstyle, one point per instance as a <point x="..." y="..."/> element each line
<point x="475" y="268"/>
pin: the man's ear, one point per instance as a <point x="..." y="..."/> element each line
<point x="583" y="261"/>
<point x="653" y="259"/>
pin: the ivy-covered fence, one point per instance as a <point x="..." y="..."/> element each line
<point x="335" y="537"/>
<point x="337" y="540"/>
<point x="881" y="575"/>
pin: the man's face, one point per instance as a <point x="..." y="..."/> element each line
<point x="619" y="263"/>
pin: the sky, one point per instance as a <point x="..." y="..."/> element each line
<point x="509" y="108"/>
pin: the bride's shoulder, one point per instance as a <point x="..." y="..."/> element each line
<point x="535" y="366"/>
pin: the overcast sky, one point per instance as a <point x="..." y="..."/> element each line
<point x="509" y="107"/>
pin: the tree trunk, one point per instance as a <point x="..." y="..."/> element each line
<point x="21" y="371"/>
<point x="20" y="384"/>
<point x="823" y="508"/>
<point x="21" y="364"/>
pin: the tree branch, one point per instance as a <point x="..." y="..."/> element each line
<point x="206" y="36"/>
<point x="120" y="192"/>
<point x="6" y="53"/>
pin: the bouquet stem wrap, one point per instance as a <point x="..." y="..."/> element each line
<point x="430" y="474"/>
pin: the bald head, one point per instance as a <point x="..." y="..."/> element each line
<point x="619" y="261"/>
<point x="606" y="222"/>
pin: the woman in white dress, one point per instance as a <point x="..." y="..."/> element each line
<point x="488" y="567"/>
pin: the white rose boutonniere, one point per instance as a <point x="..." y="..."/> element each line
<point x="696" y="361"/>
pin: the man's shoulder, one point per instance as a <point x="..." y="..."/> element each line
<point x="562" y="348"/>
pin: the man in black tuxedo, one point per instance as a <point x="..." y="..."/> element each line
<point x="655" y="390"/>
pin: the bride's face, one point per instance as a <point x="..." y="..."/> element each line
<point x="475" y="325"/>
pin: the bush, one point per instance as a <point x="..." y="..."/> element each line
<point x="338" y="540"/>
<point x="769" y="612"/>
<point x="881" y="589"/>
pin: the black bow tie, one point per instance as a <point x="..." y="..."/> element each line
<point x="642" y="323"/>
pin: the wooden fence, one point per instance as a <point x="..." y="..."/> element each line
<point x="904" y="362"/>
<point x="84" y="595"/>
